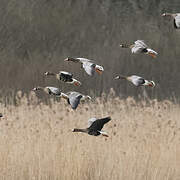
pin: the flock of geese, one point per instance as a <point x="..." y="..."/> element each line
<point x="91" y="68"/>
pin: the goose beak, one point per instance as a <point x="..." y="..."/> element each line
<point x="150" y="85"/>
<point x="152" y="55"/>
<point x="77" y="83"/>
<point x="98" y="71"/>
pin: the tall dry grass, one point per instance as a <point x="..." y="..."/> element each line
<point x="36" y="141"/>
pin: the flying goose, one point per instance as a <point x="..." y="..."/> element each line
<point x="94" y="127"/>
<point x="137" y="80"/>
<point x="73" y="98"/>
<point x="49" y="90"/>
<point x="176" y="17"/>
<point x="89" y="66"/>
<point x="65" y="77"/>
<point x="139" y="46"/>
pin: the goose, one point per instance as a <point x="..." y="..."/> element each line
<point x="89" y="66"/>
<point x="139" y="46"/>
<point x="176" y="17"/>
<point x="65" y="77"/>
<point x="137" y="80"/>
<point x="49" y="90"/>
<point x="94" y="127"/>
<point x="73" y="98"/>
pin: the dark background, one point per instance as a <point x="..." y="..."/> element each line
<point x="37" y="35"/>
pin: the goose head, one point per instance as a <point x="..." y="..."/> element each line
<point x="99" y="69"/>
<point x="151" y="84"/>
<point x="88" y="97"/>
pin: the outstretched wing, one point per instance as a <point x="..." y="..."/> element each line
<point x="140" y="81"/>
<point x="54" y="91"/>
<point x="65" y="76"/>
<point x="136" y="49"/>
<point x="89" y="68"/>
<point x="139" y="46"/>
<point x="90" y="121"/>
<point x="137" y="80"/>
<point x="84" y="60"/>
<point x="74" y="99"/>
<point x="140" y="43"/>
<point x="99" y="123"/>
<point x="177" y="21"/>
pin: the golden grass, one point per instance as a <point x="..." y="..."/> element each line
<point x="36" y="141"/>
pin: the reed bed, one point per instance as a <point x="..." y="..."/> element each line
<point x="36" y="142"/>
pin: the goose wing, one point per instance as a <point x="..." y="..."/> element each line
<point x="84" y="60"/>
<point x="137" y="49"/>
<point x="139" y="46"/>
<point x="54" y="91"/>
<point x="177" y="21"/>
<point x="98" y="124"/>
<point x="65" y="76"/>
<point x="140" y="43"/>
<point x="137" y="80"/>
<point x="89" y="68"/>
<point x="91" y="120"/>
<point x="74" y="99"/>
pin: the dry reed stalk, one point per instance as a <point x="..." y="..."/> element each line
<point x="36" y="141"/>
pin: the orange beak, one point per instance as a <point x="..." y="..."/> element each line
<point x="76" y="83"/>
<point x="98" y="71"/>
<point x="152" y="55"/>
<point x="150" y="84"/>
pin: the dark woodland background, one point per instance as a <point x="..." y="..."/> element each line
<point x="37" y="35"/>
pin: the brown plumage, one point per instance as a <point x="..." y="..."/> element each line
<point x="95" y="126"/>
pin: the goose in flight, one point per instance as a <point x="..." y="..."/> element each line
<point x="139" y="46"/>
<point x="94" y="127"/>
<point x="89" y="66"/>
<point x="73" y="98"/>
<point x="137" y="80"/>
<point x="176" y="18"/>
<point x="65" y="77"/>
<point x="49" y="90"/>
